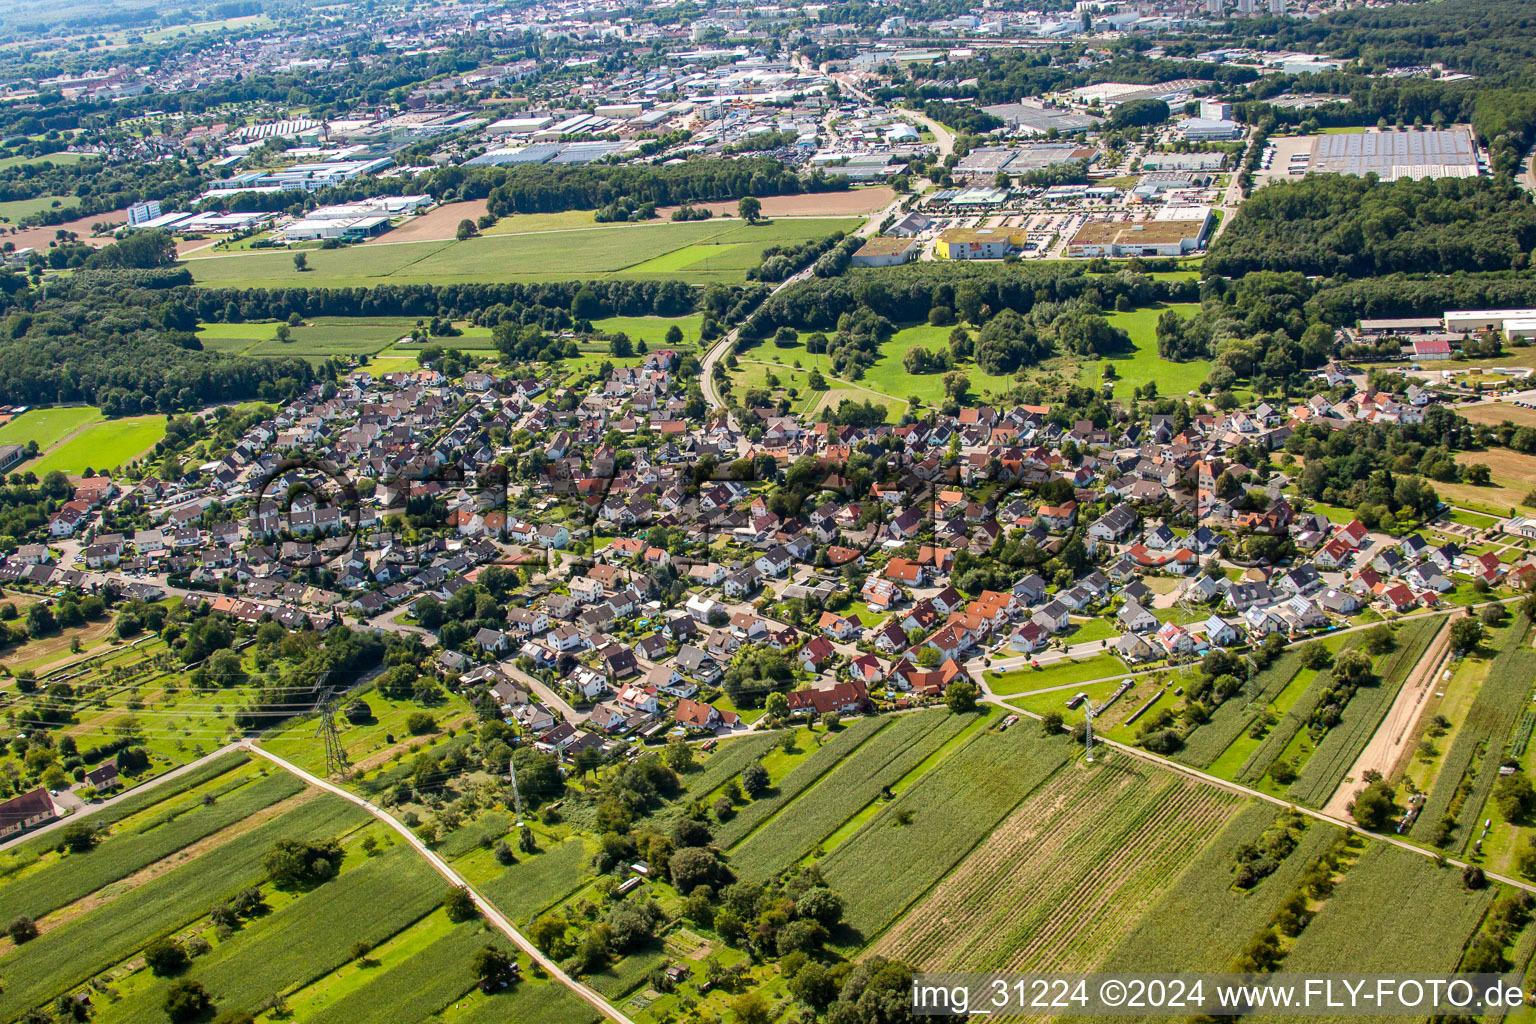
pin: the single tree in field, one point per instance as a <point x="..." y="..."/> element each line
<point x="460" y="904"/>
<point x="301" y="261"/>
<point x="466" y="230"/>
<point x="1466" y="634"/>
<point x="1375" y="806"/>
<point x="750" y="209"/>
<point x="961" y="696"/>
<point x="491" y="966"/>
<point x="187" y="1000"/>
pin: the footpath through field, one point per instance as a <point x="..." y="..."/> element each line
<point x="1236" y="787"/>
<point x="1392" y="736"/>
<point x="90" y="809"/>
<point x="590" y="996"/>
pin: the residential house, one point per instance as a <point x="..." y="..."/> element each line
<point x="1053" y="616"/>
<point x="1136" y="618"/>
<point x="697" y="716"/>
<point x="843" y="698"/>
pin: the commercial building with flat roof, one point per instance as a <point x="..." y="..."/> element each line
<point x="1468" y="320"/>
<point x="1174" y="232"/>
<point x="1399" y="325"/>
<point x="1184" y="162"/>
<point x="1202" y="129"/>
<point x="1429" y="153"/>
<point x="517" y="126"/>
<point x="886" y="251"/>
<point x="1037" y="120"/>
<point x="976" y="244"/>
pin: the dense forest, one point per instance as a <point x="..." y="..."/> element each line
<point x="1011" y="76"/>
<point x="1489" y="38"/>
<point x="1344" y="302"/>
<point x="1340" y="224"/>
<point x="101" y="338"/>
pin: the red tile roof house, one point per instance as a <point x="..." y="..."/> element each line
<point x="902" y="571"/>
<point x="840" y="628"/>
<point x="842" y="698"/>
<point x="818" y="650"/>
<point x="698" y="716"/>
<point x="1398" y="597"/>
<point x="879" y="593"/>
<point x="1353" y="533"/>
<point x="867" y="668"/>
<point x="1487" y="567"/>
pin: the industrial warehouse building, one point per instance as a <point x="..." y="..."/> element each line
<point x="1184" y="162"/>
<point x="1515" y="323"/>
<point x="886" y="251"/>
<point x="983" y="164"/>
<point x="1174" y="231"/>
<point x="352" y="221"/>
<point x="1391" y="155"/>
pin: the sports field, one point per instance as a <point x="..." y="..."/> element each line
<point x="107" y="444"/>
<point x="699" y="252"/>
<point x="48" y="426"/>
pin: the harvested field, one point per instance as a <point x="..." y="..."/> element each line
<point x="438" y="225"/>
<point x="1067" y="875"/>
<point x="1512" y="474"/>
<point x="821" y="204"/>
<point x="1496" y="413"/>
<point x="1511" y="468"/>
<point x="40" y="237"/>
